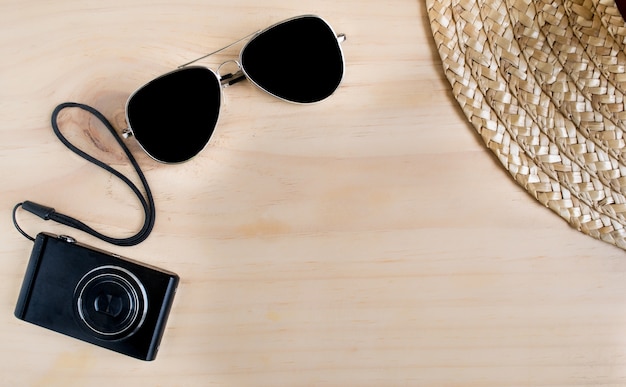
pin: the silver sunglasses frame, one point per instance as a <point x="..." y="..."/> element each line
<point x="230" y="79"/>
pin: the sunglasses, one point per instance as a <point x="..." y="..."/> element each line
<point x="297" y="60"/>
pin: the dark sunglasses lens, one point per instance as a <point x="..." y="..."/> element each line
<point x="298" y="60"/>
<point x="173" y="116"/>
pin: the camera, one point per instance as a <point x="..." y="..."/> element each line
<point x="96" y="296"/>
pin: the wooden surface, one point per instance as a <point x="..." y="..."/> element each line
<point x="369" y="240"/>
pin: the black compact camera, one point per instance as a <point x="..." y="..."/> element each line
<point x="96" y="296"/>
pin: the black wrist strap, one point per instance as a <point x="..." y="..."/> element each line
<point x="48" y="213"/>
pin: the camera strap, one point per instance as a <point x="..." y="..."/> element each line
<point x="48" y="213"/>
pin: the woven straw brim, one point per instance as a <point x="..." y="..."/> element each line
<point x="543" y="83"/>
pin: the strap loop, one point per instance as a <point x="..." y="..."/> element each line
<point x="147" y="202"/>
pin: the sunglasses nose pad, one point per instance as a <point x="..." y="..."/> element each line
<point x="232" y="77"/>
<point x="127" y="133"/>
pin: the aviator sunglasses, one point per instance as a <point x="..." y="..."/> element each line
<point x="297" y="60"/>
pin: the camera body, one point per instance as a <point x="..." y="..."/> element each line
<point x="96" y="296"/>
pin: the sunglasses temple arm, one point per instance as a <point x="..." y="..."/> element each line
<point x="340" y="38"/>
<point x="221" y="49"/>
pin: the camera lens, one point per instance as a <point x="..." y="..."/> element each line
<point x="111" y="302"/>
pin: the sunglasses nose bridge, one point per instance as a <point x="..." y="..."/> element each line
<point x="230" y="78"/>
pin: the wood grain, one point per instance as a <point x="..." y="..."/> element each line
<point x="369" y="240"/>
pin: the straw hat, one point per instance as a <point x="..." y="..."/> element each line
<point x="544" y="84"/>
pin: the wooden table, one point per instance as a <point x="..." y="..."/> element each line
<point x="369" y="240"/>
